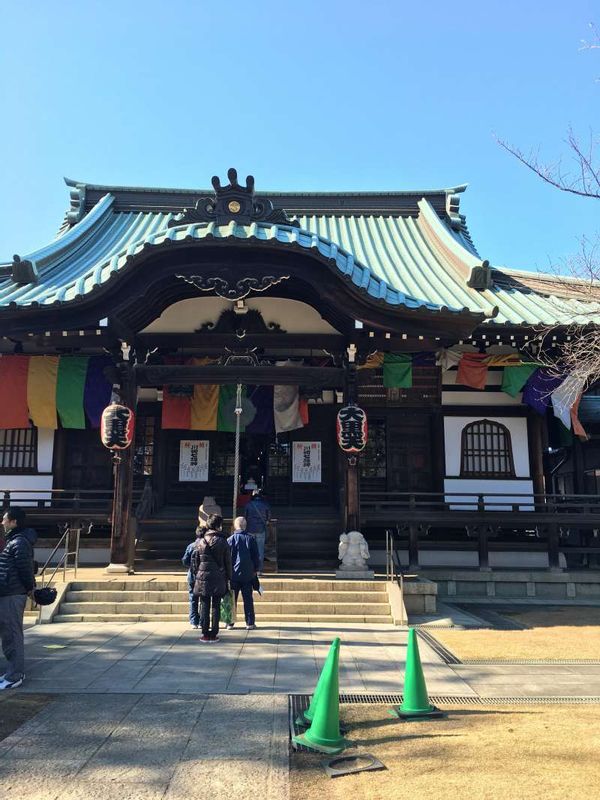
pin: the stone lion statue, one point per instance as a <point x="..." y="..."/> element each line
<point x="353" y="551"/>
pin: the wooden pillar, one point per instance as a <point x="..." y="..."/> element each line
<point x="483" y="548"/>
<point x="352" y="494"/>
<point x="535" y="423"/>
<point x="413" y="547"/>
<point x="123" y="522"/>
<point x="352" y="477"/>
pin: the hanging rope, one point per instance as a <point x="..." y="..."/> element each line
<point x="236" y="468"/>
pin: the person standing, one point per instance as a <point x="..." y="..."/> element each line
<point x="187" y="562"/>
<point x="16" y="582"/>
<point x="258" y="514"/>
<point x="245" y="561"/>
<point x="211" y="564"/>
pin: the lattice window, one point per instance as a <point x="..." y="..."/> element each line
<point x="143" y="459"/>
<point x="373" y="460"/>
<point x="18" y="450"/>
<point x="425" y="391"/>
<point x="486" y="451"/>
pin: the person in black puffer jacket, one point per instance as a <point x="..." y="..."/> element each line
<point x="16" y="582"/>
<point x="211" y="569"/>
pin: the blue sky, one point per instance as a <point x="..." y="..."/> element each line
<point x="328" y="94"/>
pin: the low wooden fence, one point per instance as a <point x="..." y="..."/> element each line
<point x="556" y="523"/>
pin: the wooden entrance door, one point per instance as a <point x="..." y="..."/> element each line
<point x="269" y="459"/>
<point x="87" y="463"/>
<point x="409" y="452"/>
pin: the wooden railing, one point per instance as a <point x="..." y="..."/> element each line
<point x="535" y="519"/>
<point x="48" y="506"/>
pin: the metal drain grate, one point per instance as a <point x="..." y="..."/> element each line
<point x="300" y="702"/>
<point x="446" y="655"/>
<point x="496" y="620"/>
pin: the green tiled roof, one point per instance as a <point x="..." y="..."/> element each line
<point x="417" y="258"/>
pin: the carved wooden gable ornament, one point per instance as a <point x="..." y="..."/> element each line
<point x="233" y="203"/>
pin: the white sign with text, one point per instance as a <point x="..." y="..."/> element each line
<point x="306" y="462"/>
<point x="193" y="460"/>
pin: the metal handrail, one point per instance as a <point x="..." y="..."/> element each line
<point x="63" y="561"/>
<point x="391" y="572"/>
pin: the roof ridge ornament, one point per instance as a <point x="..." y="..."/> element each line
<point x="233" y="203"/>
<point x="22" y="271"/>
<point x="481" y="277"/>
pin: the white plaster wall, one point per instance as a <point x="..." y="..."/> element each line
<point x="186" y="316"/>
<point x="517" y="426"/>
<point x="39" y="482"/>
<point x="475" y="397"/>
<point x="488" y="487"/>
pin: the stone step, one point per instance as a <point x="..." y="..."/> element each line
<point x="283" y="609"/>
<point x="97" y="596"/>
<point x="277" y="618"/>
<point x="270" y="584"/>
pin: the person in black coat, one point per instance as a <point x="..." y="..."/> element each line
<point x="16" y="582"/>
<point x="211" y="566"/>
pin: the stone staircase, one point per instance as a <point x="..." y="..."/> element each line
<point x="284" y="600"/>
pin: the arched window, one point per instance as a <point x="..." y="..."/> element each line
<point x="486" y="451"/>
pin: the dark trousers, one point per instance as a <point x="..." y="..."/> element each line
<point x="12" y="608"/>
<point x="194" y="613"/>
<point x="210" y="606"/>
<point x="246" y="590"/>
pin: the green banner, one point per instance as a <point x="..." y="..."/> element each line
<point x="225" y="413"/>
<point x="70" y="386"/>
<point x="397" y="371"/>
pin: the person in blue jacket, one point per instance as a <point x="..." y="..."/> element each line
<point x="187" y="562"/>
<point x="258" y="514"/>
<point x="245" y="561"/>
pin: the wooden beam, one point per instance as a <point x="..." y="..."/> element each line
<point x="325" y="377"/>
<point x="218" y="341"/>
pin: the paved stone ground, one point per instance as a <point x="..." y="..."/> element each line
<point x="144" y="710"/>
<point x="163" y="656"/>
<point x="145" y="747"/>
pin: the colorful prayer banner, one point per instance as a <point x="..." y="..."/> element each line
<point x="515" y="378"/>
<point x="286" y="409"/>
<point x="397" y="371"/>
<point x="41" y="391"/>
<point x="70" y="388"/>
<point x="539" y="387"/>
<point x="98" y="389"/>
<point x="205" y="407"/>
<point x="176" y="411"/>
<point x="472" y="371"/>
<point x="14" y="371"/>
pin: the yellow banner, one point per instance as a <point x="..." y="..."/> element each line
<point x="41" y="391"/>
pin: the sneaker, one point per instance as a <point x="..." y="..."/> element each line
<point x="4" y="684"/>
<point x="229" y="626"/>
<point x="205" y="639"/>
<point x="194" y="625"/>
<point x="214" y="639"/>
<point x="250" y="627"/>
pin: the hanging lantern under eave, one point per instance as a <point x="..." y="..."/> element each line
<point x="117" y="427"/>
<point x="352" y="429"/>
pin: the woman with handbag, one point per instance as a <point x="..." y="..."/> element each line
<point x="211" y="564"/>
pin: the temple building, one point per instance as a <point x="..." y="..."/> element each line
<point x="188" y="304"/>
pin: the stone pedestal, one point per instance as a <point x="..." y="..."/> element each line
<point x="354" y="575"/>
<point x="117" y="569"/>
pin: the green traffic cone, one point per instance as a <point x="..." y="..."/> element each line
<point x="306" y="717"/>
<point x="324" y="732"/>
<point x="415" y="700"/>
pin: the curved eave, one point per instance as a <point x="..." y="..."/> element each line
<point x="372" y="289"/>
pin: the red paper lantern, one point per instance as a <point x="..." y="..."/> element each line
<point x="352" y="430"/>
<point x="117" y="427"/>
